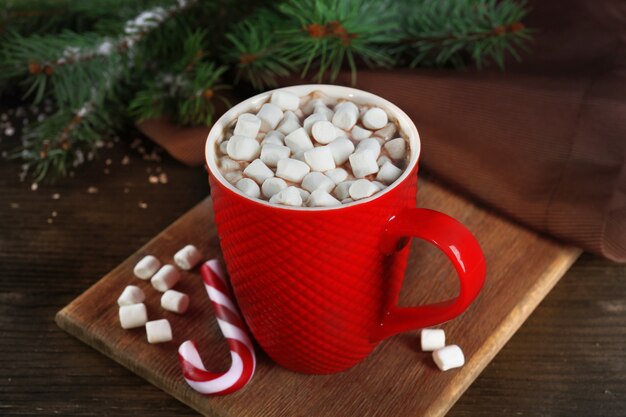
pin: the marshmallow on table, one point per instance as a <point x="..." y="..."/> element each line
<point x="342" y="190"/>
<point x="243" y="148"/>
<point x="292" y="169"/>
<point x="290" y="196"/>
<point x="432" y="339"/>
<point x="133" y="316"/>
<point x="175" y="301"/>
<point x="449" y="357"/>
<point x="158" y="331"/>
<point x="258" y="171"/>
<point x="285" y="100"/>
<point x="325" y="132"/>
<point x="363" y="163"/>
<point x="298" y="141"/>
<point x="396" y="148"/>
<point x="273" y="136"/>
<point x="146" y="267"/>
<point x="272" y="186"/>
<point x="317" y="181"/>
<point x="388" y="173"/>
<point x="370" y="144"/>
<point x="362" y="189"/>
<point x="341" y="149"/>
<point x="248" y="125"/>
<point x="187" y="257"/>
<point x="358" y="133"/>
<point x="346" y="115"/>
<point x="320" y="158"/>
<point x="271" y="153"/>
<point x="289" y="123"/>
<point x="165" y="278"/>
<point x="375" y="118"/>
<point x="321" y="198"/>
<point x="248" y="187"/>
<point x="270" y="115"/>
<point x="131" y="295"/>
<point x="337" y="175"/>
<point x="386" y="132"/>
<point x="233" y="177"/>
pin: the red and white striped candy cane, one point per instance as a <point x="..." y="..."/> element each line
<point x="232" y="327"/>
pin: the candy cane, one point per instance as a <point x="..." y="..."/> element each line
<point x="241" y="350"/>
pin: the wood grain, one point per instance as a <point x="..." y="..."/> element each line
<point x="397" y="379"/>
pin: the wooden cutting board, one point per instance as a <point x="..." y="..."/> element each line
<point x="397" y="379"/>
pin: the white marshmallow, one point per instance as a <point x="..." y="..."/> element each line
<point x="321" y="198"/>
<point x="292" y="169"/>
<point x="248" y="125"/>
<point x="272" y="186"/>
<point x="432" y="339"/>
<point x="362" y="189"/>
<point x="158" y="331"/>
<point x="285" y="100"/>
<point x="449" y="357"/>
<point x="375" y="118"/>
<point x="289" y="123"/>
<point x="342" y="190"/>
<point x="370" y="144"/>
<point x="131" y="295"/>
<point x="175" y="301"/>
<point x="248" y="187"/>
<point x="388" y="173"/>
<point x="325" y="132"/>
<point x="133" y="316"/>
<point x="299" y="156"/>
<point x="290" y="196"/>
<point x="346" y="115"/>
<point x="379" y="184"/>
<point x="320" y="158"/>
<point x="396" y="148"/>
<point x="271" y="153"/>
<point x="242" y="148"/>
<point x="233" y="177"/>
<point x="273" y="136"/>
<point x="317" y="181"/>
<point x="227" y="164"/>
<point x="165" y="278"/>
<point x="337" y="175"/>
<point x="386" y="132"/>
<point x="146" y="267"/>
<point x="341" y="149"/>
<point x="187" y="257"/>
<point x="223" y="146"/>
<point x="347" y="200"/>
<point x="358" y="133"/>
<point x="382" y="160"/>
<point x="363" y="163"/>
<point x="324" y="111"/>
<point x="298" y="141"/>
<point x="304" y="194"/>
<point x="258" y="171"/>
<point x="309" y="105"/>
<point x="270" y="115"/>
<point x="311" y="120"/>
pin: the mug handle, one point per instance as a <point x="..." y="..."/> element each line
<point x="457" y="243"/>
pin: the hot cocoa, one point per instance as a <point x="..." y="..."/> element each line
<point x="313" y="151"/>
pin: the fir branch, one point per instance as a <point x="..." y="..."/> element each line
<point x="325" y="34"/>
<point x="257" y="51"/>
<point x="439" y="33"/>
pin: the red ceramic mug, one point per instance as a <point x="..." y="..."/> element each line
<point x="318" y="287"/>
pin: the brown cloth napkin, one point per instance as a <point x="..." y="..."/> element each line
<point x="543" y="142"/>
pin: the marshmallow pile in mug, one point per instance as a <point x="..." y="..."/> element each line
<point x="313" y="151"/>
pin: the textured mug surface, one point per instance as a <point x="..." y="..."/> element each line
<point x="316" y="285"/>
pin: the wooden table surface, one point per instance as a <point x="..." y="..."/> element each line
<point x="568" y="359"/>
